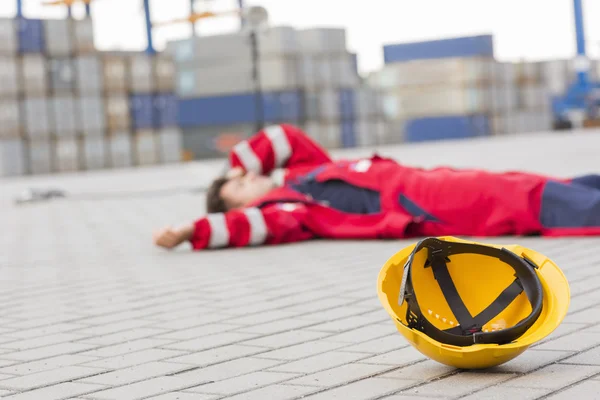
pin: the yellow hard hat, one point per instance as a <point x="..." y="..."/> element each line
<point x="472" y="305"/>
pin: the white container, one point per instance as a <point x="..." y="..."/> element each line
<point x="315" y="72"/>
<point x="504" y="97"/>
<point x="115" y="74"/>
<point x="313" y="129"/>
<point x="39" y="155"/>
<point x="141" y="74"/>
<point x="120" y="150"/>
<point x="12" y="157"/>
<point x="94" y="152"/>
<point x="35" y="81"/>
<point x="366" y="132"/>
<point x="344" y="73"/>
<point x="394" y="132"/>
<point x="330" y="135"/>
<point x="368" y="103"/>
<point x="118" y="114"/>
<point x="66" y="155"/>
<point x="170" y="145"/>
<point x="62" y="75"/>
<point x="532" y="97"/>
<point x="58" y="37"/>
<point x="279" y="73"/>
<point x="165" y="74"/>
<point x="529" y="72"/>
<point x="10" y="118"/>
<point x="9" y="77"/>
<point x="211" y="50"/>
<point x="64" y="116"/>
<point x="145" y="147"/>
<point x="37" y="111"/>
<point x="89" y="75"/>
<point x="84" y="35"/>
<point x="228" y="79"/>
<point x="92" y="112"/>
<point x="8" y="36"/>
<point x="278" y="41"/>
<point x="504" y="73"/>
<point x="322" y="40"/>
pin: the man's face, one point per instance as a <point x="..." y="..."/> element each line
<point x="242" y="189"/>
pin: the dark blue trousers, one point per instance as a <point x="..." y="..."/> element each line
<point x="571" y="205"/>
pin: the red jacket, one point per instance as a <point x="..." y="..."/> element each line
<point x="414" y="201"/>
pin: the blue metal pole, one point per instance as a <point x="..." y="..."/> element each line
<point x="150" y="48"/>
<point x="19" y="8"/>
<point x="582" y="76"/>
<point x="88" y="9"/>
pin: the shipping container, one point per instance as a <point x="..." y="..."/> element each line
<point x="368" y="103"/>
<point x="504" y="97"/>
<point x="30" y="34"/>
<point x="10" y="119"/>
<point x="446" y="127"/>
<point x="62" y="75"/>
<point x="84" y="36"/>
<point x="315" y="72"/>
<point x="118" y="114"/>
<point x="165" y="74"/>
<point x="330" y="41"/>
<point x="283" y="106"/>
<point x="141" y="74"/>
<point x="529" y="73"/>
<point x="472" y="46"/>
<point x="165" y="111"/>
<point x="35" y="81"/>
<point x="214" y="141"/>
<point x="115" y="74"/>
<point x="312" y="128"/>
<point x="59" y="37"/>
<point x="347" y="104"/>
<point x="66" y="154"/>
<point x="344" y="72"/>
<point x="8" y="37"/>
<point x="348" y="132"/>
<point x="145" y="147"/>
<point x="94" y="152"/>
<point x="170" y="145"/>
<point x="394" y="132"/>
<point x="93" y="114"/>
<point x="120" y="150"/>
<point x="330" y="135"/>
<point x="142" y="111"/>
<point x="89" y="75"/>
<point x="39" y="156"/>
<point x="10" y="82"/>
<point x="37" y="121"/>
<point x="64" y="116"/>
<point x="12" y="157"/>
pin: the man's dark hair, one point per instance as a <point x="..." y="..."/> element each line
<point x="214" y="201"/>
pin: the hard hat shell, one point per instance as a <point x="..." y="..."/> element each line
<point x="478" y="280"/>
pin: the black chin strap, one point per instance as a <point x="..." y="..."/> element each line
<point x="469" y="328"/>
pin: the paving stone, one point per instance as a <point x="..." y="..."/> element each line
<point x="147" y="388"/>
<point x="576" y="341"/>
<point x="555" y="376"/>
<point x="532" y="359"/>
<point x="46" y="364"/>
<point x="365" y="389"/>
<point x="285" y="339"/>
<point x="124" y="336"/>
<point x="406" y="355"/>
<point x="379" y="345"/>
<point x="243" y="383"/>
<point x="58" y="392"/>
<point x="589" y="357"/>
<point x="136" y="373"/>
<point x="229" y="369"/>
<point x="212" y="341"/>
<point x="32" y="381"/>
<point x="584" y="390"/>
<point x="135" y="358"/>
<point x="182" y="396"/>
<point x="127" y="347"/>
<point x="423" y="371"/>
<point x="274" y="392"/>
<point x="459" y="384"/>
<point x="319" y="362"/>
<point x="363" y="334"/>
<point x="339" y="375"/>
<point x="501" y="392"/>
<point x="218" y="355"/>
<point x="300" y="350"/>
<point x="48" y="351"/>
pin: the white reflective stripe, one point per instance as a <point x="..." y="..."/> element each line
<point x="219" y="233"/>
<point x="278" y="176"/>
<point x="258" y="226"/>
<point x="249" y="159"/>
<point x="279" y="142"/>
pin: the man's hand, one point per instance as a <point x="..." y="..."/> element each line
<point x="170" y="238"/>
<point x="234" y="173"/>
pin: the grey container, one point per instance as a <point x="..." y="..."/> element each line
<point x="39" y="156"/>
<point x="66" y="154"/>
<point x="8" y="36"/>
<point x="165" y="71"/>
<point x="92" y="112"/>
<point x="214" y="141"/>
<point x="118" y="114"/>
<point x="58" y="36"/>
<point x="145" y="147"/>
<point x="12" y="157"/>
<point x="62" y="75"/>
<point x="37" y="111"/>
<point x="115" y="74"/>
<point x="120" y="151"/>
<point x="9" y="77"/>
<point x="170" y="145"/>
<point x="90" y="75"/>
<point x="35" y="81"/>
<point x="84" y="36"/>
<point x="10" y="118"/>
<point x="141" y="74"/>
<point x="64" y="116"/>
<point x="94" y="152"/>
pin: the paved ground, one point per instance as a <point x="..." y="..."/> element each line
<point x="91" y="310"/>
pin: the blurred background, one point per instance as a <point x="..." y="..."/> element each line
<point x="101" y="84"/>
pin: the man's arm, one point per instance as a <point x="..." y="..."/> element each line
<point x="239" y="228"/>
<point x="277" y="146"/>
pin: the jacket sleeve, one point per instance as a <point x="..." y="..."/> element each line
<point x="250" y="227"/>
<point x="275" y="147"/>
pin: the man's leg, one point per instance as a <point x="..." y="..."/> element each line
<point x="570" y="206"/>
<point x="591" y="181"/>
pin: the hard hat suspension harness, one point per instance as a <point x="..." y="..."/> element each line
<point x="469" y="329"/>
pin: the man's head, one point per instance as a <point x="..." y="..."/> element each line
<point x="236" y="190"/>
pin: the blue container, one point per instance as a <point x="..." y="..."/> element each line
<point x="348" y="134"/>
<point x="165" y="110"/>
<point x="446" y="127"/>
<point x="143" y="114"/>
<point x="346" y="101"/>
<point x="30" y="35"/>
<point x="239" y="109"/>
<point x="457" y="47"/>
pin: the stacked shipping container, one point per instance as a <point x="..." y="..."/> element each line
<point x="307" y="77"/>
<point x="66" y="107"/>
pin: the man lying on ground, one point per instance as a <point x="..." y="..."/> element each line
<point x="283" y="187"/>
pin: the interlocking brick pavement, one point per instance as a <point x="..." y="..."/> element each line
<point x="91" y="310"/>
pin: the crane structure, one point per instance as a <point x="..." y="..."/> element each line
<point x="578" y="104"/>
